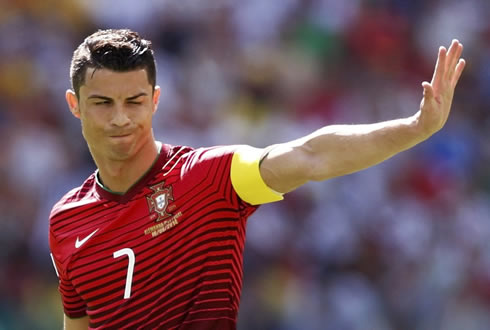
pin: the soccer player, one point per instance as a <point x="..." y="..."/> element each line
<point x="154" y="238"/>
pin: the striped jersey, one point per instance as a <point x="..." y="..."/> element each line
<point x="167" y="254"/>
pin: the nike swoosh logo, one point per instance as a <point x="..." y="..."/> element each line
<point x="79" y="243"/>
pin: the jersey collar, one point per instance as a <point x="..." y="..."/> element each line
<point x="108" y="194"/>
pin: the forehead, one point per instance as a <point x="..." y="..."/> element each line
<point x="115" y="84"/>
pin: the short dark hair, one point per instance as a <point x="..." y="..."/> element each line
<point x="118" y="50"/>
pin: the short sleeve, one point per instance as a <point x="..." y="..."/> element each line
<point x="73" y="305"/>
<point x="246" y="178"/>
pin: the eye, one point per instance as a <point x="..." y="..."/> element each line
<point x="135" y="102"/>
<point x="102" y="102"/>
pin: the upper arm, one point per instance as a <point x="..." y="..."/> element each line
<point x="75" y="324"/>
<point x="287" y="166"/>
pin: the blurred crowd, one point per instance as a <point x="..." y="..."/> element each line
<point x="403" y="245"/>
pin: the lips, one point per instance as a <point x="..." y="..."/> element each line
<point x="120" y="134"/>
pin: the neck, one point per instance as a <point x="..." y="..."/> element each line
<point x="120" y="175"/>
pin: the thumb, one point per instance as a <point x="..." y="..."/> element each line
<point x="429" y="93"/>
<point x="428" y="90"/>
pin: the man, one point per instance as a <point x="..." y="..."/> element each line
<point x="154" y="238"/>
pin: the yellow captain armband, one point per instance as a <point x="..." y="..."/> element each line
<point x="246" y="178"/>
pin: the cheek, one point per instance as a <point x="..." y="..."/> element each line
<point x="87" y="130"/>
<point x="144" y="118"/>
<point x="91" y="126"/>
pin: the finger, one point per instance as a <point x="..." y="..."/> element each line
<point x="453" y="57"/>
<point x="458" y="71"/>
<point x="428" y="90"/>
<point x="440" y="67"/>
<point x="452" y="54"/>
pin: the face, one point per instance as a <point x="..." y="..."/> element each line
<point x="116" y="110"/>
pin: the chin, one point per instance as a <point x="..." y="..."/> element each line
<point x="119" y="153"/>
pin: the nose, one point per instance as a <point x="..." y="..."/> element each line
<point x="120" y="117"/>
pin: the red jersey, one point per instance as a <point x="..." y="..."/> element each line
<point x="167" y="254"/>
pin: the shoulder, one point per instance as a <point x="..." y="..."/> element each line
<point x="212" y="153"/>
<point x="195" y="165"/>
<point x="75" y="198"/>
<point x="64" y="220"/>
<point x="186" y="158"/>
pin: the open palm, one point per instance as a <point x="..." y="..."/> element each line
<point x="438" y="94"/>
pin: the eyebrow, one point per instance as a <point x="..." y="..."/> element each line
<point x="99" y="97"/>
<point x="95" y="96"/>
<point x="136" y="96"/>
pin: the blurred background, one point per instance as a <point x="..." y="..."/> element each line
<point x="403" y="245"/>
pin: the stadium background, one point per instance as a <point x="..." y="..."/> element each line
<point x="404" y="245"/>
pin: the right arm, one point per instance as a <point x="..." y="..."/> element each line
<point x="337" y="150"/>
<point x="80" y="323"/>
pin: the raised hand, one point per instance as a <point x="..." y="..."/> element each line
<point x="438" y="94"/>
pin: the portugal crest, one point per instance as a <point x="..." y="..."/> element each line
<point x="159" y="200"/>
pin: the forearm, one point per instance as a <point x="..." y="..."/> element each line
<point x="342" y="149"/>
<point x="337" y="150"/>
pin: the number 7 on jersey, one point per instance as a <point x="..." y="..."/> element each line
<point x="129" y="276"/>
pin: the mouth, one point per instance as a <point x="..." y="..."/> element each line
<point x="119" y="136"/>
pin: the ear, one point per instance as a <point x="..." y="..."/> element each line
<point x="156" y="98"/>
<point x="72" y="100"/>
